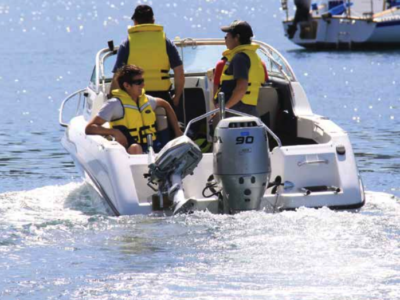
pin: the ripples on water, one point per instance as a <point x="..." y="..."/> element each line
<point x="50" y="52"/>
<point x="60" y="242"/>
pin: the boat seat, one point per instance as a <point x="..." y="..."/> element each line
<point x="163" y="132"/>
<point x="193" y="106"/>
<point x="268" y="106"/>
<point x="162" y="120"/>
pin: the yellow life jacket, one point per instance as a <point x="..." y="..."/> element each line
<point x="256" y="72"/>
<point x="139" y="120"/>
<point x="148" y="50"/>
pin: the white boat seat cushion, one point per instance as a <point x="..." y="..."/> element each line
<point x="162" y="120"/>
<point x="268" y="105"/>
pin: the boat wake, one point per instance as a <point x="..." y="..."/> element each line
<point x="319" y="249"/>
<point x="73" y="202"/>
<point x="49" y="211"/>
<point x="79" y="201"/>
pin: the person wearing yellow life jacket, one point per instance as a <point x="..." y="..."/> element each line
<point x="148" y="47"/>
<point x="131" y="113"/>
<point x="243" y="72"/>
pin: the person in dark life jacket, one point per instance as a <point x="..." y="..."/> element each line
<point x="131" y="113"/>
<point x="243" y="72"/>
<point x="148" y="47"/>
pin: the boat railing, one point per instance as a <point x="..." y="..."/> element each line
<point x="265" y="47"/>
<point x="275" y="59"/>
<point x="102" y="79"/>
<point x="270" y="52"/>
<point x="81" y="93"/>
<point x="100" y="75"/>
<point x="235" y="112"/>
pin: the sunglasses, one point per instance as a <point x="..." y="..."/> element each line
<point x="137" y="82"/>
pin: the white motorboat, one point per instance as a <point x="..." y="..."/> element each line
<point x="343" y="24"/>
<point x="286" y="159"/>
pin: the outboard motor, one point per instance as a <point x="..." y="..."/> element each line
<point x="302" y="15"/>
<point x="241" y="162"/>
<point x="174" y="162"/>
<point x="302" y="11"/>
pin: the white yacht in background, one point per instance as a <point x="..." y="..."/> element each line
<point x="343" y="23"/>
<point x="286" y="159"/>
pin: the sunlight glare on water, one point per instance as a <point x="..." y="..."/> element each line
<point x="59" y="241"/>
<point x="308" y="253"/>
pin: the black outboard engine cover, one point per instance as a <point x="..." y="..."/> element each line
<point x="241" y="162"/>
<point x="302" y="15"/>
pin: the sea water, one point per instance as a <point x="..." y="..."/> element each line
<point x="59" y="241"/>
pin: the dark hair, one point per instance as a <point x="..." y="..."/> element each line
<point x="143" y="14"/>
<point x="126" y="74"/>
<point x="243" y="40"/>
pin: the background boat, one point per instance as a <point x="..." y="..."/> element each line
<point x="343" y="24"/>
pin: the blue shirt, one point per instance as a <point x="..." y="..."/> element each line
<point x="123" y="54"/>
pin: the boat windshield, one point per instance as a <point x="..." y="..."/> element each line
<point x="202" y="55"/>
<point x="198" y="58"/>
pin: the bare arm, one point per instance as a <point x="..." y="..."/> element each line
<point x="179" y="79"/>
<point x="172" y="119"/>
<point x="95" y="127"/>
<point x="238" y="93"/>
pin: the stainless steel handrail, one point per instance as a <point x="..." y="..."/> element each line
<point x="312" y="162"/>
<point x="272" y="49"/>
<point x="267" y="50"/>
<point x="274" y="136"/>
<point x="103" y="77"/>
<point x="199" y="118"/>
<point x="99" y="66"/>
<point x="60" y="119"/>
<point x="235" y="112"/>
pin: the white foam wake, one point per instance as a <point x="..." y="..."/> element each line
<point x="73" y="202"/>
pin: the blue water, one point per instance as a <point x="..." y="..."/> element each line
<point x="58" y="241"/>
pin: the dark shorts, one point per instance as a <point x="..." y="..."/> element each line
<point x="157" y="145"/>
<point x="245" y="108"/>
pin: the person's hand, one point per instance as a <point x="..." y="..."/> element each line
<point x="216" y="105"/>
<point x="120" y="138"/>
<point x="212" y="117"/>
<point x="175" y="100"/>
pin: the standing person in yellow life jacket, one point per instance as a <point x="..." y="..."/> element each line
<point x="243" y="72"/>
<point x="148" y="47"/>
<point x="131" y="113"/>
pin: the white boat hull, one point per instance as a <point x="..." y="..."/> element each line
<point x="119" y="177"/>
<point x="344" y="32"/>
<point x="313" y="166"/>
